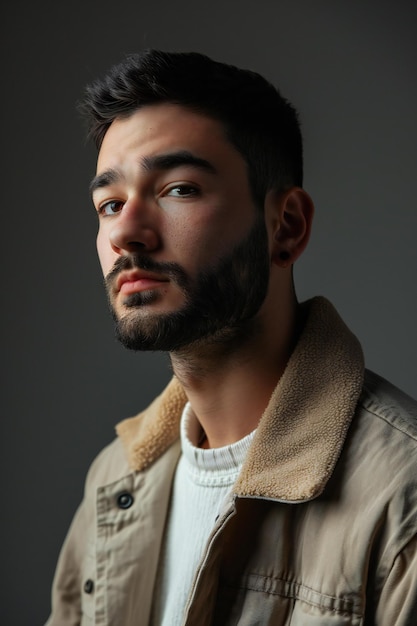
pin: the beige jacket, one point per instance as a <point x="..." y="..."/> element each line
<point x="320" y="529"/>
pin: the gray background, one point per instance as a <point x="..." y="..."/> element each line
<point x="349" y="67"/>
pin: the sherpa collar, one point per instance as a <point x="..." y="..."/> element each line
<point x="301" y="433"/>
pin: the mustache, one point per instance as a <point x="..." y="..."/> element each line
<point x="174" y="271"/>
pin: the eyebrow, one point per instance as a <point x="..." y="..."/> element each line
<point x="108" y="177"/>
<point x="163" y="162"/>
<point x="176" y="159"/>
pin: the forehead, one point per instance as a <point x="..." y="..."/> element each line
<point x="161" y="128"/>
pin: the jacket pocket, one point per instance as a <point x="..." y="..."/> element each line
<point x="305" y="614"/>
<point x="265" y="601"/>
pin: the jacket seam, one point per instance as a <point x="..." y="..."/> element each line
<point x="386" y="419"/>
<point x="294" y="594"/>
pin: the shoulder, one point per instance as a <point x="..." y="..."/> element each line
<point x="110" y="465"/>
<point x="383" y="433"/>
<point x="381" y="454"/>
<point x="391" y="406"/>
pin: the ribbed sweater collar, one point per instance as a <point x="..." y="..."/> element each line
<point x="225" y="459"/>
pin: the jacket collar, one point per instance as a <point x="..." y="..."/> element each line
<point x="301" y="433"/>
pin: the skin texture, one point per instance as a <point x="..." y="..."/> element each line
<point x="179" y="217"/>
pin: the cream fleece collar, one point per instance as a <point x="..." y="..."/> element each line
<point x="302" y="431"/>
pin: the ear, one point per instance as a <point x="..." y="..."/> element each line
<point x="289" y="215"/>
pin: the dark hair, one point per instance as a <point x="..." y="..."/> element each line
<point x="261" y="124"/>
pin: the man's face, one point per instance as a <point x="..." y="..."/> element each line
<point x="181" y="244"/>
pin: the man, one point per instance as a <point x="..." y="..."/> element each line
<point x="274" y="480"/>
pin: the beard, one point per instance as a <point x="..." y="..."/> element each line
<point x="220" y="304"/>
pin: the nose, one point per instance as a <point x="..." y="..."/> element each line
<point x="134" y="229"/>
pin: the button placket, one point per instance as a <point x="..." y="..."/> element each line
<point x="89" y="586"/>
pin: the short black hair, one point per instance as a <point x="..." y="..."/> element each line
<point x="261" y="124"/>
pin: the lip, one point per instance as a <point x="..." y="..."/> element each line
<point x="137" y="280"/>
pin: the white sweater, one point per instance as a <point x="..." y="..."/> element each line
<point x="202" y="480"/>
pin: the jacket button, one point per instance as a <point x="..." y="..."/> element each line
<point x="89" y="586"/>
<point x="124" y="500"/>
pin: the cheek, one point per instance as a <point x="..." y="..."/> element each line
<point x="206" y="236"/>
<point x="106" y="254"/>
<point x="193" y="242"/>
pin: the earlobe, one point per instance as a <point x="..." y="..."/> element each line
<point x="293" y="212"/>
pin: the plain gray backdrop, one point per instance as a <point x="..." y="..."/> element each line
<point x="349" y="67"/>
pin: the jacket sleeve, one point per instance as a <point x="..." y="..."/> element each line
<point x="398" y="600"/>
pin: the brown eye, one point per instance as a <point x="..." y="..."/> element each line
<point x="110" y="208"/>
<point x="182" y="191"/>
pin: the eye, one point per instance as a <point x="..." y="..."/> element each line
<point x="110" y="208"/>
<point x="182" y="191"/>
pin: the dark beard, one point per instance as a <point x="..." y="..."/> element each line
<point x="220" y="304"/>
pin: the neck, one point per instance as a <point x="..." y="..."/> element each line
<point x="229" y="380"/>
